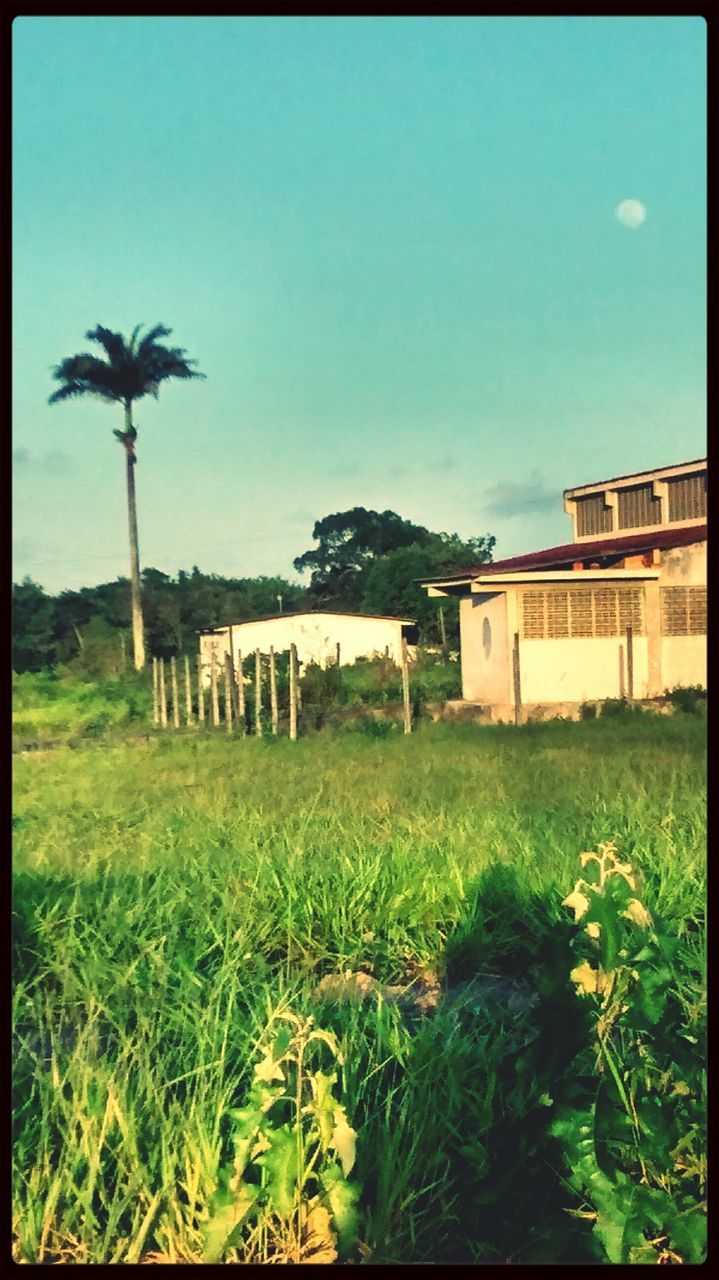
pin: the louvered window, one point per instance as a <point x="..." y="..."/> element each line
<point x="581" y="612"/>
<point x="593" y="516"/>
<point x="688" y="497"/>
<point x="534" y="623"/>
<point x="684" y="611"/>
<point x="638" y="507"/>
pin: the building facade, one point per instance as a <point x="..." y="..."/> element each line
<point x="621" y="611"/>
<point x="316" y="635"/>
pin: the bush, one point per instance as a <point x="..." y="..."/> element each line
<point x="689" y="698"/>
<point x="62" y="706"/>
<point x="618" y="707"/>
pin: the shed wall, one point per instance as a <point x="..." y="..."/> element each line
<point x="316" y="638"/>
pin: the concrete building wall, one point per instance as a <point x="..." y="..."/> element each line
<point x="316" y="637"/>
<point x="684" y="661"/>
<point x="580" y="670"/>
<point x="684" y="566"/>
<point x="484" y="647"/>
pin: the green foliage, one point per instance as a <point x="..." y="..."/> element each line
<point x="688" y="698"/>
<point x="50" y="629"/>
<point x="391" y="585"/>
<point x="293" y="1153"/>
<point x="67" y="705"/>
<point x="367" y="559"/>
<point x="612" y="707"/>
<point x="171" y="892"/>
<point x="634" y="1136"/>
<point x="33" y="646"/>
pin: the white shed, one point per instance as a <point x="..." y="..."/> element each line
<point x="316" y="634"/>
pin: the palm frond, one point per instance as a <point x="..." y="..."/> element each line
<point x="85" y="374"/>
<point x="133" y="338"/>
<point x="150" y="338"/>
<point x="113" y="343"/>
<point x="80" y="389"/>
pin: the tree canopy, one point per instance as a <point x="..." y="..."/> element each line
<point x="365" y="561"/>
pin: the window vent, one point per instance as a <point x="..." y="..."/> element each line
<point x="638" y="507"/>
<point x="684" y="611"/>
<point x="593" y="516"/>
<point x="688" y="497"/>
<point x="582" y="612"/>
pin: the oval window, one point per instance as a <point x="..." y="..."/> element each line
<point x="486" y="637"/>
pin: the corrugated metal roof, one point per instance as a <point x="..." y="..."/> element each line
<point x="573" y="552"/>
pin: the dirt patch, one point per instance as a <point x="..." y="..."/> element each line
<point x="421" y="992"/>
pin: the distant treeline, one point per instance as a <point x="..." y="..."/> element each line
<point x="364" y="561"/>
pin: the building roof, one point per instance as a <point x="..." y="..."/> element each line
<point x="636" y="475"/>
<point x="310" y="613"/>
<point x="570" y="553"/>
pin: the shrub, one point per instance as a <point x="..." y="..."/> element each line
<point x="689" y="698"/>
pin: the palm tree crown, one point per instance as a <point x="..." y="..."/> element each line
<point x="132" y="369"/>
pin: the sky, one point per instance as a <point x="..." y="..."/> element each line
<point x="391" y="244"/>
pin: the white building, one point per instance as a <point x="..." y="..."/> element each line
<point x="316" y="635"/>
<point x="620" y="611"/>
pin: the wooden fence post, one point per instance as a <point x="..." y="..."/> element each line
<point x="273" y="691"/>
<point x="213" y="690"/>
<point x="293" y="693"/>
<point x="188" y="692"/>
<point x="155" y="694"/>
<point x="258" y="693"/>
<point x="338" y="653"/>
<point x="630" y="663"/>
<point x="228" y="692"/>
<point x="442" y="629"/>
<point x="240" y="694"/>
<point x="517" y="680"/>
<point x="163" y="695"/>
<point x="405" y="689"/>
<point x="200" y="693"/>
<point x="175" y="696"/>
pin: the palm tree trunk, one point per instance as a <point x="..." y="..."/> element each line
<point x="138" y="638"/>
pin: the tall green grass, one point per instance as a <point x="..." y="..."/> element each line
<point x="169" y="892"/>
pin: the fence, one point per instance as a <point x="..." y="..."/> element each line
<point x="222" y="702"/>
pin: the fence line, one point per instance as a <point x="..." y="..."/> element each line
<point x="231" y="710"/>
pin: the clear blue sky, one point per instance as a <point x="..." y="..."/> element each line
<point x="390" y="243"/>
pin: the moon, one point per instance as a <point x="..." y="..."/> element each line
<point x="631" y="213"/>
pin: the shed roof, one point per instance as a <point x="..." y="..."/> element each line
<point x="310" y="613"/>
<point x="570" y="553"/>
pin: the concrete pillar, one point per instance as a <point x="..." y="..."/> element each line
<point x="653" y="620"/>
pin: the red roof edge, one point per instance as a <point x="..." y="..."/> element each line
<point x="574" y="552"/>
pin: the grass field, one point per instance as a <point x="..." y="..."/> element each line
<point x="173" y="895"/>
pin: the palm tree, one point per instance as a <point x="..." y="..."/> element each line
<point x="132" y="369"/>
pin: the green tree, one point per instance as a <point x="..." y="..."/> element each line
<point x="391" y="584"/>
<point x="133" y="369"/>
<point x="32" y="615"/>
<point x="347" y="544"/>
